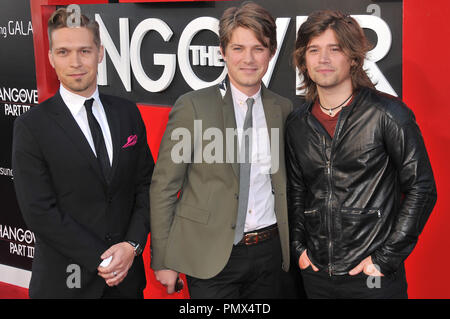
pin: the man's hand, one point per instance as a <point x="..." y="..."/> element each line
<point x="367" y="267"/>
<point x="304" y="262"/>
<point x="167" y="278"/>
<point x="122" y="259"/>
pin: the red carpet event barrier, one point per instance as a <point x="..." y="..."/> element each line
<point x="158" y="51"/>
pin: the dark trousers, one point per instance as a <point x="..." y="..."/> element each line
<point x="252" y="272"/>
<point x="320" y="285"/>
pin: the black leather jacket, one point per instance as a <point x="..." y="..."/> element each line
<point x="367" y="192"/>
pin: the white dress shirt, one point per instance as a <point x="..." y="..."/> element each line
<point x="261" y="203"/>
<point x="75" y="104"/>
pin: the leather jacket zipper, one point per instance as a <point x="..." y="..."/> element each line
<point x="330" y="213"/>
<point x="330" y="186"/>
<point x="329" y="206"/>
<point x="338" y="128"/>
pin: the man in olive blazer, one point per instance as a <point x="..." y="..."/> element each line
<point x="197" y="180"/>
<point x="192" y="232"/>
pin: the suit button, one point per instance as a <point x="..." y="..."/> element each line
<point x="236" y="196"/>
<point x="108" y="237"/>
<point x="233" y="226"/>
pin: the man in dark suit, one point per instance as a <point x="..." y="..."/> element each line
<point x="227" y="230"/>
<point x="82" y="169"/>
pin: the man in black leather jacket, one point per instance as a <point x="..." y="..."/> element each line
<point x="360" y="184"/>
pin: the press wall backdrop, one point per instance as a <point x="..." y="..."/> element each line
<point x="158" y="50"/>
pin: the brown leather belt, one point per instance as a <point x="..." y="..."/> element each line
<point x="259" y="235"/>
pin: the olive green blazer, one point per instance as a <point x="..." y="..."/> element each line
<point x="193" y="204"/>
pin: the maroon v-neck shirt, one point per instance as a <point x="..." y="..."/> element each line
<point x="328" y="122"/>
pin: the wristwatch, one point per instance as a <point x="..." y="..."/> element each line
<point x="137" y="247"/>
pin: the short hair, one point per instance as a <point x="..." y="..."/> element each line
<point x="350" y="37"/>
<point x="250" y="16"/>
<point x="59" y="18"/>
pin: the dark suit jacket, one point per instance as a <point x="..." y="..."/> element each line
<point x="66" y="202"/>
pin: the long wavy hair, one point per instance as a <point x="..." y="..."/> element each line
<point x="351" y="39"/>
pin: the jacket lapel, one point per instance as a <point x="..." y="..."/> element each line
<point x="62" y="116"/>
<point x="272" y="112"/>
<point x="229" y="122"/>
<point x="274" y="120"/>
<point x="114" y="127"/>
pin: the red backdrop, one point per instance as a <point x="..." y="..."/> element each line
<point x="425" y="89"/>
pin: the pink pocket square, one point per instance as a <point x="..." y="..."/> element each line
<point x="132" y="140"/>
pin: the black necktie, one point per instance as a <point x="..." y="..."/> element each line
<point x="99" y="141"/>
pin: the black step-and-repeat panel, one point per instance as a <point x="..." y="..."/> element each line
<point x="155" y="52"/>
<point x="158" y="51"/>
<point x="17" y="94"/>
